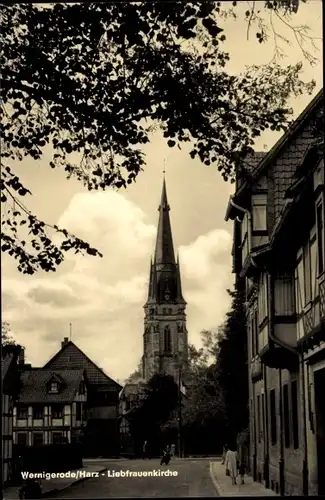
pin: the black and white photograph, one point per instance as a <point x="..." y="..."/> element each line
<point x="162" y="249"/>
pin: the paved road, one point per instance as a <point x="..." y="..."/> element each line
<point x="192" y="480"/>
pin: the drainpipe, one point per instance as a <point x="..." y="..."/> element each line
<point x="303" y="396"/>
<point x="255" y="439"/>
<point x="281" y="461"/>
<point x="267" y="444"/>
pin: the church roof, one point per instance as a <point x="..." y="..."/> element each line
<point x="164" y="253"/>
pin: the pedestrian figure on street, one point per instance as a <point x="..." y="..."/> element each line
<point x="231" y="462"/>
<point x="243" y="460"/>
<point x="165" y="459"/>
<point x="242" y="472"/>
<point x="172" y="450"/>
<point x="224" y="451"/>
<point x="145" y="450"/>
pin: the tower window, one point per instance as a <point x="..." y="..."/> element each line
<point x="167" y="340"/>
<point x="164" y="310"/>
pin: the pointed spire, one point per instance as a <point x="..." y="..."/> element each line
<point x="179" y="281"/>
<point x="164" y="253"/>
<point x="150" y="280"/>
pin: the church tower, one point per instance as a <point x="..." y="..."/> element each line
<point x="165" y="334"/>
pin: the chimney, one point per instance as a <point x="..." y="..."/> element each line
<point x="65" y="342"/>
<point x="21" y="357"/>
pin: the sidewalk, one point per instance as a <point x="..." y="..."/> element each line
<point x="225" y="488"/>
<point x="50" y="486"/>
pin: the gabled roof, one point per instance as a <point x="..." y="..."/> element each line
<point x="35" y="386"/>
<point x="71" y="356"/>
<point x="133" y="388"/>
<point x="285" y="138"/>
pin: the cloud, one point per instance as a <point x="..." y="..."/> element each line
<point x="103" y="298"/>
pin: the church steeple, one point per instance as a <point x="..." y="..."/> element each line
<point x="165" y="334"/>
<point x="164" y="253"/>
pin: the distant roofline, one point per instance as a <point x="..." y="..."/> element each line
<point x="88" y="359"/>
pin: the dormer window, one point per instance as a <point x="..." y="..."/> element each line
<point x="54" y="387"/>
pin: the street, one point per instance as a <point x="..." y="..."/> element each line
<point x="192" y="480"/>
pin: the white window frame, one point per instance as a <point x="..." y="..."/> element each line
<point x="245" y="237"/>
<point x="262" y="299"/>
<point x="320" y="235"/>
<point x="259" y="212"/>
<point x="54" y="387"/>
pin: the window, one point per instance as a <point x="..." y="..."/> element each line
<point x="78" y="411"/>
<point x="294" y="413"/>
<point x="254" y="333"/>
<point x="164" y="310"/>
<point x="145" y="343"/>
<point x="82" y="388"/>
<point x="300" y="288"/>
<point x="307" y="274"/>
<point x="57" y="438"/>
<point x="22" y="438"/>
<point x="259" y="426"/>
<point x="273" y="417"/>
<point x="170" y="311"/>
<point x="167" y="339"/>
<point x="263" y="415"/>
<point x="54" y="387"/>
<point x="245" y="241"/>
<point x="57" y="411"/>
<point x="37" y="438"/>
<point x="320" y="236"/>
<point x="259" y="212"/>
<point x="38" y="412"/>
<point x="262" y="298"/>
<point x="22" y="412"/>
<point x="313" y="267"/>
<point x="286" y="416"/>
<point x="284" y="299"/>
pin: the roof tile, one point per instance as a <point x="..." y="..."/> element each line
<point x="34" y="386"/>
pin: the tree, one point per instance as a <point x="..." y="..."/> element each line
<point x="146" y="421"/>
<point x="90" y="81"/>
<point x="136" y="375"/>
<point x="6" y="337"/>
<point x="203" y="409"/>
<point x="232" y="366"/>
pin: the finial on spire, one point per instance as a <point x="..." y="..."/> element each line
<point x="164" y="170"/>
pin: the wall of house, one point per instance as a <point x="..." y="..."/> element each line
<point x="47" y="425"/>
<point x="6" y="444"/>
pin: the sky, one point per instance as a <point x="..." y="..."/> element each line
<point x="103" y="299"/>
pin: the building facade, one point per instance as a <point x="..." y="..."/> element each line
<point x="51" y="407"/>
<point x="10" y="389"/>
<point x="101" y="435"/>
<point x="278" y="214"/>
<point x="165" y="340"/>
<point x="131" y="397"/>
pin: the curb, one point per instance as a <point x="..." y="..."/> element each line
<point x="77" y="481"/>
<point x="215" y="482"/>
